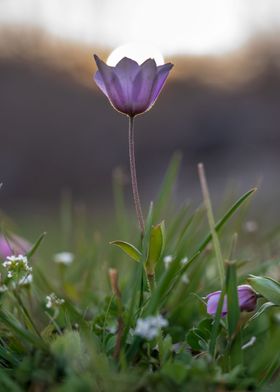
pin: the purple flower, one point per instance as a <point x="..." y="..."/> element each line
<point x="13" y="245"/>
<point x="247" y="300"/>
<point x="131" y="88"/>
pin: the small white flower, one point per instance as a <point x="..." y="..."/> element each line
<point x="185" y="278"/>
<point x="7" y="263"/>
<point x="65" y="258"/>
<point x="53" y="301"/>
<point x="149" y="327"/>
<point x="167" y="260"/>
<point x="184" y="260"/>
<point x="251" y="226"/>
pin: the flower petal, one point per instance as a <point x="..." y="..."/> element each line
<point x="142" y="86"/>
<point x="162" y="74"/>
<point x="126" y="70"/>
<point x="112" y="85"/>
<point x="100" y="83"/>
<point x="247" y="298"/>
<point x="212" y="303"/>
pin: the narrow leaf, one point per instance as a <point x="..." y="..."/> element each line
<point x="225" y="218"/>
<point x="232" y="299"/>
<point x="128" y="248"/>
<point x="35" y="246"/>
<point x="262" y="309"/>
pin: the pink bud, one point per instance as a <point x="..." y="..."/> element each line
<point x="247" y="300"/>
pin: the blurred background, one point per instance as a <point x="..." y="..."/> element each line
<point x="220" y="106"/>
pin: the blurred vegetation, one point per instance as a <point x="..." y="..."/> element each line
<point x="88" y="342"/>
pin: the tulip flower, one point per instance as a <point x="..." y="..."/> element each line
<point x="132" y="89"/>
<point x="13" y="245"/>
<point x="247" y="300"/>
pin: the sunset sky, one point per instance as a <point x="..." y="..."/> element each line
<point x="175" y="27"/>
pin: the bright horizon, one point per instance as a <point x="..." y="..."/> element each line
<point x="197" y="27"/>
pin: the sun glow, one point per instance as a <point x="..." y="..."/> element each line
<point x="196" y="27"/>
<point x="135" y="51"/>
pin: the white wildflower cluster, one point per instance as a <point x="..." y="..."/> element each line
<point x="65" y="258"/>
<point x="149" y="327"/>
<point x="53" y="301"/>
<point x="17" y="266"/>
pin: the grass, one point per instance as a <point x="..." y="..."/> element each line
<point x="88" y="342"/>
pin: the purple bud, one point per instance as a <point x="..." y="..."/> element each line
<point x="247" y="300"/>
<point x="131" y="88"/>
<point x="13" y="245"/>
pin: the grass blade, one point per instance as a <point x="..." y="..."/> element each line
<point x="225" y="218"/>
<point x="167" y="186"/>
<point x="36" y="245"/>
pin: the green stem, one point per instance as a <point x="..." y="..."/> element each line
<point x="134" y="184"/>
<point x="150" y="281"/>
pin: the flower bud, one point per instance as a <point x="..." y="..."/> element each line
<point x="247" y="300"/>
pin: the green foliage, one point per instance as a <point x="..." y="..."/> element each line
<point x="129" y="249"/>
<point x="267" y="287"/>
<point x="156" y="247"/>
<point x="73" y="345"/>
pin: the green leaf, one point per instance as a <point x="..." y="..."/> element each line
<point x="211" y="221"/>
<point x="233" y="316"/>
<point x="205" y="327"/>
<point x="147" y="234"/>
<point x="176" y="371"/>
<point x="232" y="299"/>
<point x="267" y="287"/>
<point x="196" y="339"/>
<point x="129" y="249"/>
<point x="35" y="246"/>
<point x="224" y="219"/>
<point x="262" y="309"/>
<point x="157" y="241"/>
<point x="22" y="334"/>
<point x="165" y="349"/>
